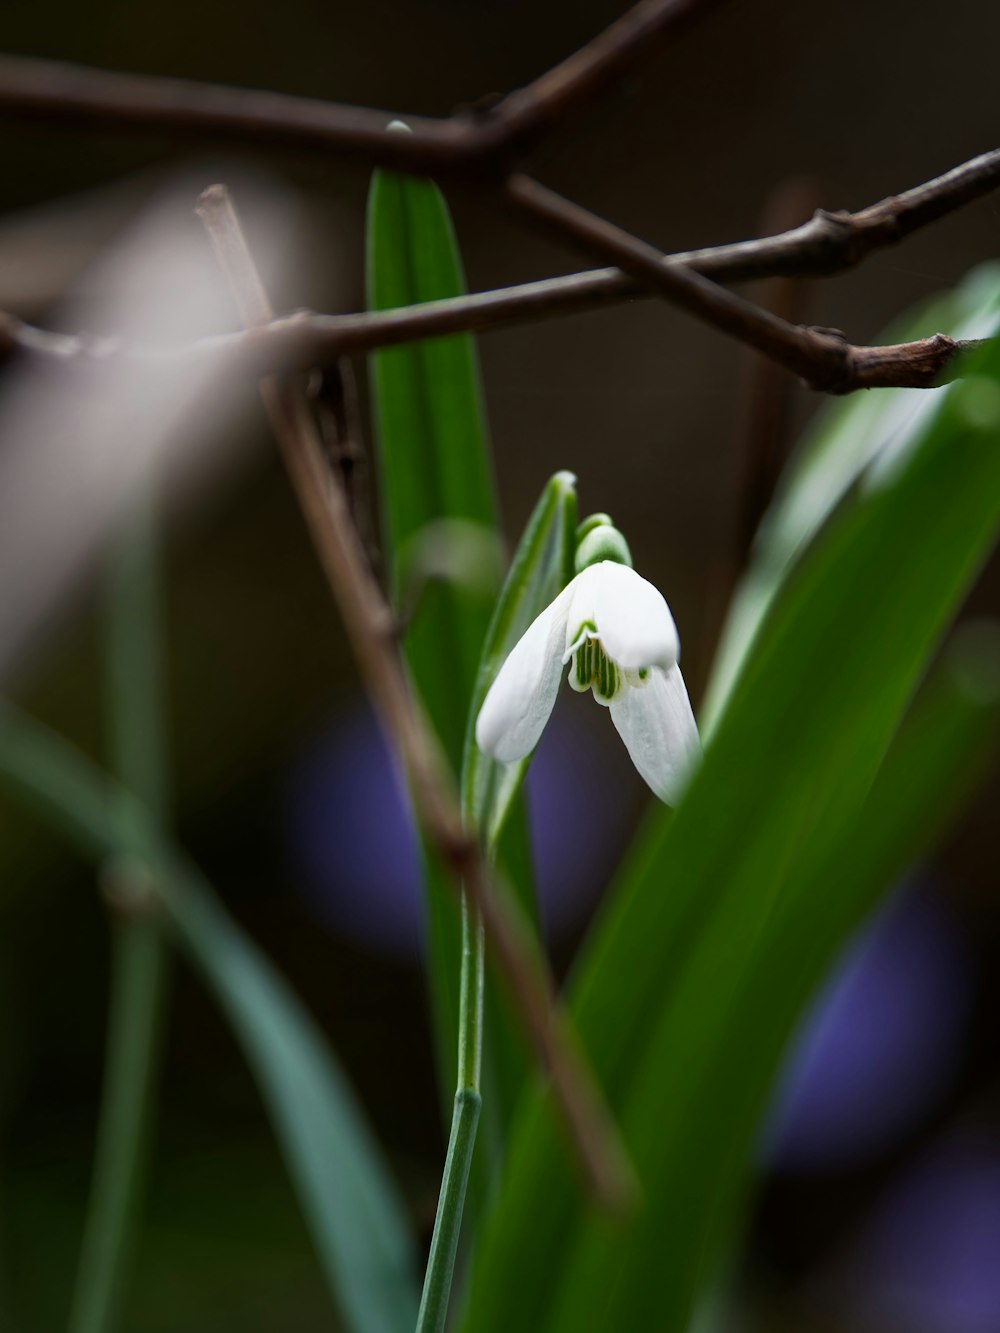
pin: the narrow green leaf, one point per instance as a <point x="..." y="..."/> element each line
<point x="435" y="473"/>
<point x="729" y="909"/>
<point x="433" y="448"/>
<point x="140" y="952"/>
<point x="433" y="466"/>
<point x="357" y="1220"/>
<point x="847" y="441"/>
<point x="945" y="748"/>
<point x="541" y="567"/>
<point x="491" y="791"/>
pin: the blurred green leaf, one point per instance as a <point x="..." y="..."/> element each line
<point x="945" y="747"/>
<point x="449" y="550"/>
<point x="853" y="436"/>
<point x="358" y="1222"/>
<point x="728" y="910"/>
<point x="140" y="951"/>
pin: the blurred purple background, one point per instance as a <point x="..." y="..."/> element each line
<point x="352" y="840"/>
<point x="882" y="1041"/>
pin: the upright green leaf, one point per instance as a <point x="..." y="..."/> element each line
<point x="728" y="910"/>
<point x="491" y="791"/>
<point x="357" y="1220"/>
<point x="433" y="449"/>
<point x="853" y="437"/>
<point x="434" y="468"/>
<point x="541" y="568"/>
<point x="432" y="465"/>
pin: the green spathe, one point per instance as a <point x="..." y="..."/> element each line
<point x="600" y="540"/>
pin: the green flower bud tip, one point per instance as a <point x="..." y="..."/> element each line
<point x="591" y="522"/>
<point x="602" y="542"/>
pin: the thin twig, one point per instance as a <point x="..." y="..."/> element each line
<point x="481" y="141"/>
<point x="333" y="395"/>
<point x="369" y="623"/>
<point x="762" y="430"/>
<point x="51" y="90"/>
<point x="822" y="358"/>
<point x="298" y="342"/>
<point x="766" y="419"/>
<point x="485" y="142"/>
<point x="829" y="243"/>
<point x="816" y="357"/>
<point x="527" y="113"/>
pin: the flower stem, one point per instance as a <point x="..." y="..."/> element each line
<point x="140" y="952"/>
<point x="462" y="1140"/>
<point x="140" y="970"/>
<point x="470" y="1002"/>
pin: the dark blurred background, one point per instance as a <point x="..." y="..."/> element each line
<point x="881" y="1207"/>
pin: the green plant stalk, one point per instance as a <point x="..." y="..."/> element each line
<point x="140" y="953"/>
<point x="470" y="1013"/>
<point x="558" y="502"/>
<point x="462" y="1139"/>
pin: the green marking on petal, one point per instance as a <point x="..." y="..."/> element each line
<point x="594" y="669"/>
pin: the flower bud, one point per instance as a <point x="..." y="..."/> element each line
<point x="601" y="542"/>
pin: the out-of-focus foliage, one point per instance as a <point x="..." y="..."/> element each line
<point x="136" y="716"/>
<point x="855" y="441"/>
<point x="358" y="1222"/>
<point x="729" y="909"/>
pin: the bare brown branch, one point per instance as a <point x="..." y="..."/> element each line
<point x="369" y="623"/>
<point x="485" y="142"/>
<point x="822" y="358"/>
<point x="298" y="342"/>
<point x="527" y="113"/>
<point x="816" y="357"/>
<point x="76" y="95"/>
<point x="482" y="141"/>
<point x="829" y="243"/>
<point x="770" y="394"/>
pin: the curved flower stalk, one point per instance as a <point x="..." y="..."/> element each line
<point x="616" y="632"/>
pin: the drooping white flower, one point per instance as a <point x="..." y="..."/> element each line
<point x="616" y="631"/>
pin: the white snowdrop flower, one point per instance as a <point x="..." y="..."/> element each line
<point x="616" y="631"/>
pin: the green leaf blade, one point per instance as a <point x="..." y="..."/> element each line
<point x="847" y="440"/>
<point x="140" y="952"/>
<point x="706" y="942"/>
<point x="433" y="465"/>
<point x="357" y="1220"/>
<point x="435" y="470"/>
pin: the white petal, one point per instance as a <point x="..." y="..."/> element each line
<point x="580" y="594"/>
<point x="657" y="725"/>
<point x="515" y="711"/>
<point x="633" y="620"/>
